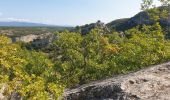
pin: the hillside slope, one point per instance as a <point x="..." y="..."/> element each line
<point x="148" y="84"/>
<point x="139" y="19"/>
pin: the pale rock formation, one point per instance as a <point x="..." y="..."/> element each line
<point x="148" y="84"/>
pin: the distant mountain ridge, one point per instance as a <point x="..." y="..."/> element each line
<point x="22" y="24"/>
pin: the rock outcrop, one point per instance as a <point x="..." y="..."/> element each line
<point x="152" y="83"/>
<point x="43" y="40"/>
<point x="26" y="38"/>
<point x="88" y="27"/>
<point x="37" y="41"/>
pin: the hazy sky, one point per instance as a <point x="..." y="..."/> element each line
<point x="67" y="12"/>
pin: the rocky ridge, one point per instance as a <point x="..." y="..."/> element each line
<point x="152" y="83"/>
<point x="85" y="29"/>
<point x="139" y="19"/>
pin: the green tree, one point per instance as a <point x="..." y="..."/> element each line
<point x="156" y="13"/>
<point x="28" y="73"/>
<point x="83" y="58"/>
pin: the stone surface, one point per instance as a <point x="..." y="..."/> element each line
<point x="2" y="97"/>
<point x="13" y="96"/>
<point x="26" y="38"/>
<point x="152" y="83"/>
<point x="37" y="41"/>
<point x="88" y="27"/>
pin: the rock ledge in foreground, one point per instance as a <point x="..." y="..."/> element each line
<point x="148" y="84"/>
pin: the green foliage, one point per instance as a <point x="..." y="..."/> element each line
<point x="81" y="59"/>
<point x="28" y="73"/>
<point x="146" y="4"/>
<point x="156" y="13"/>
<point x="146" y="47"/>
<point x="78" y="59"/>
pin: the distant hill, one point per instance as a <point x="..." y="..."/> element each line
<point x="139" y="19"/>
<point x="117" y="22"/>
<point x="123" y="24"/>
<point x="22" y="24"/>
<point x="13" y="29"/>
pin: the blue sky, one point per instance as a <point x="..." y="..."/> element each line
<point x="67" y="12"/>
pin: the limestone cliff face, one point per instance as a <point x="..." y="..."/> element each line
<point x="152" y="83"/>
<point x="26" y="39"/>
<point x="38" y="41"/>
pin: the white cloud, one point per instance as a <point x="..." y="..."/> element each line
<point x="10" y="19"/>
<point x="14" y="19"/>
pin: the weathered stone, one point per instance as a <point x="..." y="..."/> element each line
<point x="88" y="27"/>
<point x="152" y="83"/>
<point x="2" y="97"/>
<point x="37" y="41"/>
<point x="26" y="38"/>
<point x="13" y="96"/>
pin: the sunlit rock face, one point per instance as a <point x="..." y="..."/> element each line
<point x="148" y="84"/>
<point x="38" y="41"/>
<point x="44" y="40"/>
<point x="26" y="38"/>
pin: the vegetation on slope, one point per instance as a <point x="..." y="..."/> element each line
<point x="75" y="59"/>
<point x="146" y="17"/>
<point x="81" y="59"/>
<point x="28" y="73"/>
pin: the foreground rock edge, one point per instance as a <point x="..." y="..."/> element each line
<point x="152" y="83"/>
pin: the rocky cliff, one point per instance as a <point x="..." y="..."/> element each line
<point x="38" y="41"/>
<point x="152" y="83"/>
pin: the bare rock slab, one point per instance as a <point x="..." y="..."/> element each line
<point x="152" y="83"/>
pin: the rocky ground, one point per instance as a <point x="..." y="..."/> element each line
<point x="152" y="83"/>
